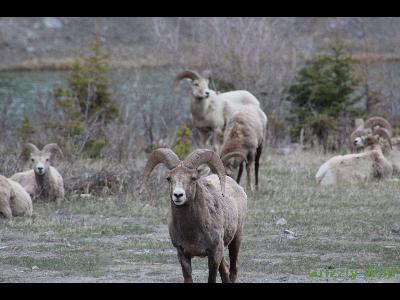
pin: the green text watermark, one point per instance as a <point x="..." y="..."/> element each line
<point x="369" y="272"/>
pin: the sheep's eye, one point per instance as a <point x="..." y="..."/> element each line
<point x="47" y="159"/>
<point x="195" y="84"/>
<point x="169" y="178"/>
<point x="32" y="159"/>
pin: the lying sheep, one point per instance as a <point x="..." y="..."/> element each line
<point x="243" y="142"/>
<point x="211" y="110"/>
<point x="381" y="127"/>
<point x="368" y="165"/>
<point x="43" y="181"/>
<point x="14" y="200"/>
<point x="207" y="213"/>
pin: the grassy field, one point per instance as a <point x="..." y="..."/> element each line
<point x="353" y="229"/>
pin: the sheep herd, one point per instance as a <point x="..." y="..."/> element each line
<point x="208" y="209"/>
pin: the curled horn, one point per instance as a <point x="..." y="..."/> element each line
<point x="383" y="132"/>
<point x="378" y="121"/>
<point x="27" y="150"/>
<point x="161" y="155"/>
<point x="209" y="157"/>
<point x="52" y="148"/>
<point x="185" y="74"/>
<point x="228" y="156"/>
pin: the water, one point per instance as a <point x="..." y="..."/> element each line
<point x="129" y="87"/>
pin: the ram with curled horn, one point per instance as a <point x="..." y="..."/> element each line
<point x="207" y="213"/>
<point x="211" y="110"/>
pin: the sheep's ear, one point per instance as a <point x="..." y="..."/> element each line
<point x="53" y="149"/>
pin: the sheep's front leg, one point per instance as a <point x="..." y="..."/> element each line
<point x="218" y="138"/>
<point x="186" y="264"/>
<point x="214" y="262"/>
<point x="204" y="133"/>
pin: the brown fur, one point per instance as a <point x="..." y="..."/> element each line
<point x="209" y="219"/>
<point x="245" y="133"/>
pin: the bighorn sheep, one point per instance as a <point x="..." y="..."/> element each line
<point x="350" y="168"/>
<point x="243" y="142"/>
<point x="14" y="200"/>
<point x="43" y="181"/>
<point x="377" y="125"/>
<point x="207" y="213"/>
<point x="211" y="110"/>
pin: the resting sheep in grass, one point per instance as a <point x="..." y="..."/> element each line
<point x="43" y="181"/>
<point x="14" y="200"/>
<point x="368" y="165"/>
<point x="377" y="125"/>
<point x="207" y="213"/>
<point x="211" y="110"/>
<point x="243" y="142"/>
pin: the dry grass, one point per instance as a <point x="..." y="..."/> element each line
<point x="121" y="238"/>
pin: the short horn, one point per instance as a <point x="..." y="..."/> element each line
<point x="161" y="155"/>
<point x="185" y="74"/>
<point x="209" y="157"/>
<point x="27" y="150"/>
<point x="378" y="121"/>
<point x="228" y="156"/>
<point x="53" y="148"/>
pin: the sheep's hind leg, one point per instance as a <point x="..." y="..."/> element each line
<point x="223" y="271"/>
<point x="257" y="164"/>
<point x="186" y="264"/>
<point x="233" y="257"/>
<point x="239" y="175"/>
<point x="248" y="170"/>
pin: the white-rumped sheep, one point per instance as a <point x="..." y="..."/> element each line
<point x="351" y="168"/>
<point x="381" y="127"/>
<point x="207" y="213"/>
<point x="211" y="110"/>
<point x="243" y="143"/>
<point x="43" y="181"/>
<point x="14" y="200"/>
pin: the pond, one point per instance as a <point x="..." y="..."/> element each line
<point x="128" y="87"/>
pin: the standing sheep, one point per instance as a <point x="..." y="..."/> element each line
<point x="43" y="181"/>
<point x="14" y="200"/>
<point x="243" y="142"/>
<point x="203" y="220"/>
<point x="211" y="110"/>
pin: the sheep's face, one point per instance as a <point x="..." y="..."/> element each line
<point x="231" y="165"/>
<point x="358" y="142"/>
<point x="40" y="162"/>
<point x="200" y="88"/>
<point x="182" y="183"/>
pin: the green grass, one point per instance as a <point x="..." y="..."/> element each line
<point x="125" y="238"/>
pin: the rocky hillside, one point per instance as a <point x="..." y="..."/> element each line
<point x="60" y="37"/>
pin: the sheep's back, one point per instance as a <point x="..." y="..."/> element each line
<point x="21" y="203"/>
<point x="233" y="205"/>
<point x="27" y="180"/>
<point x="5" y="194"/>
